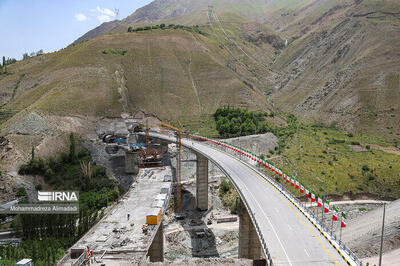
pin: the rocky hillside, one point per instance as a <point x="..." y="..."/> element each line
<point x="343" y="68"/>
<point x="331" y="61"/>
<point x="171" y="73"/>
<point x="363" y="233"/>
<point x="335" y="61"/>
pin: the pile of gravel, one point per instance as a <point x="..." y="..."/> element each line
<point x="33" y="124"/>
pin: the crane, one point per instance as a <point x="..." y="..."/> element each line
<point x="178" y="161"/>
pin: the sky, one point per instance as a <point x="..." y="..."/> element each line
<point x="30" y="25"/>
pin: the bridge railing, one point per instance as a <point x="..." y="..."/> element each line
<point x="257" y="227"/>
<point x="248" y="157"/>
<point x="254" y="221"/>
<point x="302" y="207"/>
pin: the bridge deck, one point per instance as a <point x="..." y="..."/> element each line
<point x="123" y="239"/>
<point x="291" y="238"/>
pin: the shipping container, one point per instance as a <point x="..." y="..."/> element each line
<point x="165" y="188"/>
<point x="163" y="197"/>
<point x="154" y="216"/>
<point x="158" y="204"/>
<point x="167" y="178"/>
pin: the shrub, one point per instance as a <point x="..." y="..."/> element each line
<point x="225" y="186"/>
<point x="83" y="153"/>
<point x="114" y="51"/>
<point x="38" y="187"/>
<point x="355" y="143"/>
<point x="21" y="192"/>
<point x="365" y="168"/>
<point x="64" y="158"/>
<point x="336" y="141"/>
<point x="234" y="207"/>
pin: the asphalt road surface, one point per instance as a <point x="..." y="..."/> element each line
<point x="291" y="238"/>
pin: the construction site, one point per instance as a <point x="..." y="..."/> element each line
<point x="157" y="219"/>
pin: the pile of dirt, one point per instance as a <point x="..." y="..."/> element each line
<point x="199" y="234"/>
<point x="32" y="124"/>
<point x="207" y="261"/>
<point x="362" y="234"/>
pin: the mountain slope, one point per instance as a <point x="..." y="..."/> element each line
<point x="345" y="71"/>
<point x="330" y="61"/>
<point x="191" y="12"/>
<point x="171" y="73"/>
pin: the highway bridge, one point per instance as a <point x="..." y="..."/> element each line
<point x="273" y="224"/>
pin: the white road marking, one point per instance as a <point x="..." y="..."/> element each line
<point x="273" y="229"/>
<point x="204" y="147"/>
<point x="305" y="250"/>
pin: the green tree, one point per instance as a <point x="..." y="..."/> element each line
<point x="32" y="153"/>
<point x="4" y="65"/>
<point x="21" y="192"/>
<point x="72" y="153"/>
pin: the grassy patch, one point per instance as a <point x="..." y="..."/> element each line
<point x="114" y="51"/>
<point x="195" y="28"/>
<point x="316" y="153"/>
<point x="229" y="197"/>
<point x="204" y="126"/>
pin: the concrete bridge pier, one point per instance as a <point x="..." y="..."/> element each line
<point x="164" y="145"/>
<point x="156" y="251"/>
<point x="201" y="182"/>
<point x="249" y="244"/>
<point x="131" y="163"/>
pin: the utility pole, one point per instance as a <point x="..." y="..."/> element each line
<point x="210" y="12"/>
<point x="323" y="203"/>
<point x="178" y="165"/>
<point x="383" y="227"/>
<point x="4" y="64"/>
<point x="147" y="135"/>
<point x="341" y="227"/>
